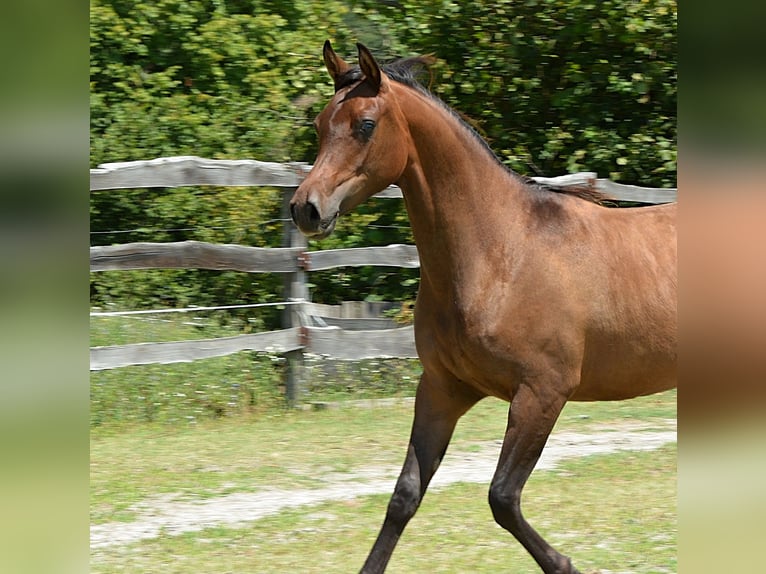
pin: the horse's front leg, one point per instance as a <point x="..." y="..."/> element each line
<point x="531" y="417"/>
<point x="439" y="403"/>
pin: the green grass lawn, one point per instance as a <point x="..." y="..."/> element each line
<point x="615" y="512"/>
<point x="612" y="512"/>
<point x="212" y="458"/>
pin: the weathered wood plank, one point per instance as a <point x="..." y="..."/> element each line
<point x="193" y="255"/>
<point x="391" y="192"/>
<point x="192" y="170"/>
<point x="320" y="310"/>
<point x="351" y="315"/>
<point x="618" y="191"/>
<point x="580" y="178"/>
<point x="330" y="342"/>
<point x="296" y="289"/>
<point x="395" y="255"/>
<point x="201" y="255"/>
<point x="364" y="309"/>
<point x="624" y="192"/>
<point x="360" y="324"/>
<point x="185" y="351"/>
<point x="338" y="344"/>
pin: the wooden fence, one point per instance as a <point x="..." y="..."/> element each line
<point x="310" y="328"/>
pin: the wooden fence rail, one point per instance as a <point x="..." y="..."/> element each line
<point x="191" y="170"/>
<point x="310" y="328"/>
<point x="112" y="357"/>
<point x="200" y="255"/>
<point x="193" y="255"/>
<point x="331" y="342"/>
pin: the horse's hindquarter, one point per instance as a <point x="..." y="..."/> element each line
<point x="630" y="344"/>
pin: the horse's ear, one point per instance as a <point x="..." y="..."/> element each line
<point x="369" y="67"/>
<point x="334" y="64"/>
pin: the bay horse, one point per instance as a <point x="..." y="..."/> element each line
<point x="534" y="295"/>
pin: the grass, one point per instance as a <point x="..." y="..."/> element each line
<point x="131" y="463"/>
<point x="615" y="512"/>
<point x="248" y="453"/>
<point x="187" y="392"/>
<point x="126" y="329"/>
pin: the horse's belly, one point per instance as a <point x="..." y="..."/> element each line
<point x="611" y="372"/>
<point x="618" y="376"/>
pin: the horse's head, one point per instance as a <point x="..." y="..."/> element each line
<point x="362" y="145"/>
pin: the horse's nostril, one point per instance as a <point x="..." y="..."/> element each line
<point x="312" y="213"/>
<point x="305" y="215"/>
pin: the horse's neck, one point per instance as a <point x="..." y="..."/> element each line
<point x="459" y="198"/>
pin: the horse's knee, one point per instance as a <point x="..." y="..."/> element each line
<point x="505" y="505"/>
<point x="405" y="500"/>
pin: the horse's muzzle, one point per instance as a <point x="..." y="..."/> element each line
<point x="307" y="218"/>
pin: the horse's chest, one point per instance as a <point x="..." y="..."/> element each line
<point x="476" y="355"/>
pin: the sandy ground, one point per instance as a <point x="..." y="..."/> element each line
<point x="165" y="515"/>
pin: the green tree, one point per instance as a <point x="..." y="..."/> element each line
<point x="556" y="87"/>
<point x="209" y="78"/>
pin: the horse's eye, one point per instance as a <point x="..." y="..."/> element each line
<point x="366" y="127"/>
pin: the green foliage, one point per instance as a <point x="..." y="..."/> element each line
<point x="366" y="379"/>
<point x="554" y="86"/>
<point x="214" y="79"/>
<point x="404" y="315"/>
<point x="557" y="87"/>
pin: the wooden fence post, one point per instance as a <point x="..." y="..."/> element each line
<point x="295" y="288"/>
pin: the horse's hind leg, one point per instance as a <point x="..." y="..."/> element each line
<point x="437" y="410"/>
<point x="532" y="415"/>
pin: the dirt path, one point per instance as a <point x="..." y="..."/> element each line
<point x="165" y="515"/>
